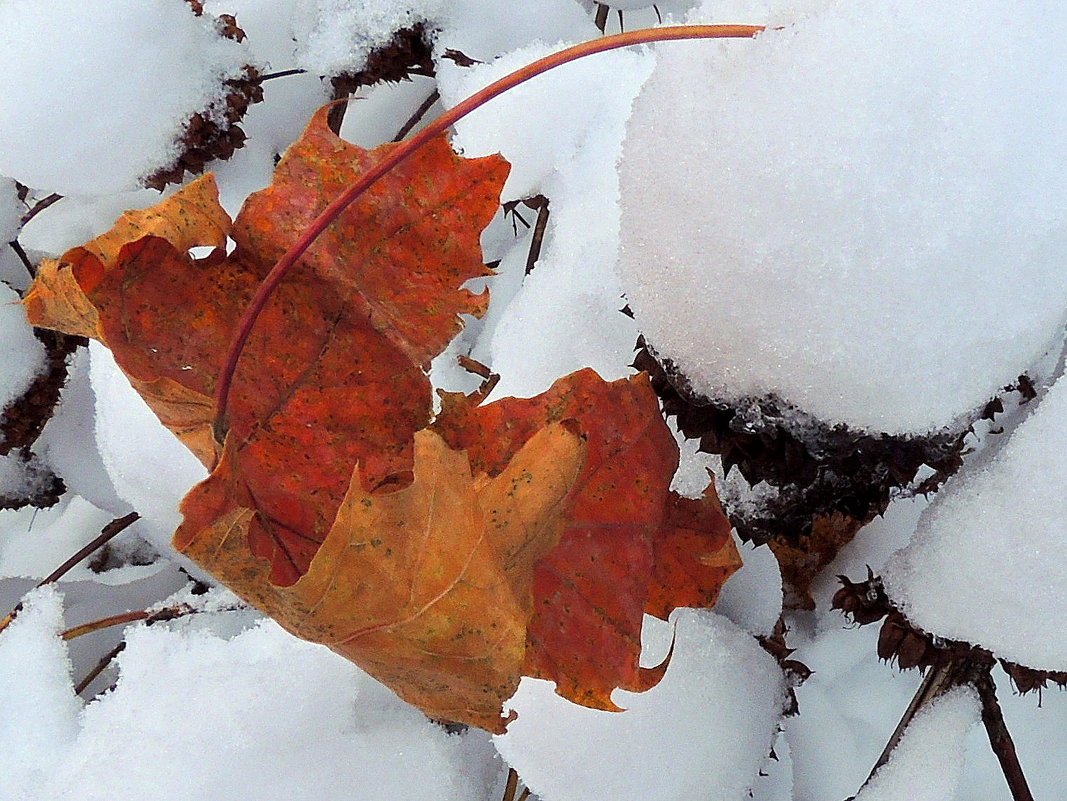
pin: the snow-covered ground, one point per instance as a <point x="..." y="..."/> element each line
<point x="862" y="212"/>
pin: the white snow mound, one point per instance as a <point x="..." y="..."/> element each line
<point x="95" y="93"/>
<point x="988" y="564"/>
<point x="21" y="353"/>
<point x="880" y="245"/>
<point x="927" y="763"/>
<point x="702" y="732"/>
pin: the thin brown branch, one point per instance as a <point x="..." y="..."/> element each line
<point x="108" y="533"/>
<point x="1000" y="738"/>
<point x="40" y="206"/>
<point x="512" y="786"/>
<point x="105" y="623"/>
<point x="540" y="202"/>
<point x="21" y="253"/>
<point x="150" y="618"/>
<point x="270" y="76"/>
<point x="601" y="18"/>
<point x="100" y="667"/>
<point x="417" y="115"/>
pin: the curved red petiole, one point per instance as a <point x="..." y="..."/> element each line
<point x="409" y="146"/>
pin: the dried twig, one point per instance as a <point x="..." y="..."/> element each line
<point x="109" y="532"/>
<point x="601" y="18"/>
<point x="101" y="666"/>
<point x="1000" y="738"/>
<point x="539" y="202"/>
<point x="512" y="786"/>
<point x="21" y="253"/>
<point x="270" y="76"/>
<point x="417" y="115"/>
<point x="40" y="206"/>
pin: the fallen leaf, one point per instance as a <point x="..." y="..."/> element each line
<point x="60" y="298"/>
<point x="428" y="588"/>
<point x="370" y="304"/>
<point x="520" y="537"/>
<point x="694" y="555"/>
<point x="592" y="590"/>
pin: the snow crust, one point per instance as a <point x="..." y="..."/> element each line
<point x="97" y="92"/>
<point x="926" y="764"/>
<point x="987" y="564"/>
<point x="21" y="353"/>
<point x="702" y="732"/>
<point x="881" y="245"/>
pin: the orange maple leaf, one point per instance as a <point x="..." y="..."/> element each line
<point x="620" y="555"/>
<point x="519" y="537"/>
<point x="360" y="318"/>
<point x="428" y="588"/>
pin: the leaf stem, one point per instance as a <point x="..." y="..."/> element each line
<point x="410" y="146"/>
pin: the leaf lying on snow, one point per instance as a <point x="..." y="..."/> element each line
<point x="522" y="537"/>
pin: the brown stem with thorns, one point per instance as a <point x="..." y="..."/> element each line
<point x="410" y="146"/>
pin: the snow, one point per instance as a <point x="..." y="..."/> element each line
<point x="21" y="353"/>
<point x="97" y="92"/>
<point x="40" y="708"/>
<point x="485" y="31"/>
<point x="68" y="442"/>
<point x="752" y="597"/>
<point x="925" y="765"/>
<point x="916" y="202"/>
<point x="149" y="467"/>
<point x="573" y="297"/>
<point x="848" y="709"/>
<point x="10" y="210"/>
<point x="335" y="36"/>
<point x="189" y="706"/>
<point x="702" y="732"/>
<point x="987" y="564"/>
<point x="880" y="246"/>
